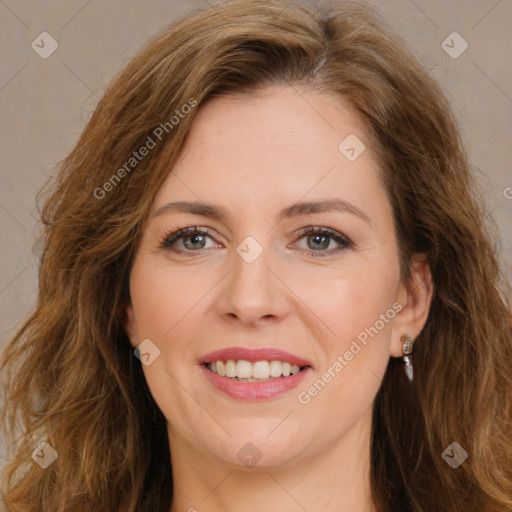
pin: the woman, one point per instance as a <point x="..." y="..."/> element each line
<point x="266" y="282"/>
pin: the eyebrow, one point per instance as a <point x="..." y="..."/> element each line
<point x="295" y="210"/>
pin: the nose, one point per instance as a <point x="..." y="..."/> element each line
<point x="253" y="291"/>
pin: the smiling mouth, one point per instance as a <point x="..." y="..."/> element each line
<point x="242" y="370"/>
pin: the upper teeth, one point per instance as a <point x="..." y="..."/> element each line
<point x="259" y="370"/>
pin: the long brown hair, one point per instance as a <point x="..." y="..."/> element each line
<point x="70" y="376"/>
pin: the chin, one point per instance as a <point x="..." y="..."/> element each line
<point x="251" y="451"/>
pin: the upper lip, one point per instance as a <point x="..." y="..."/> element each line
<point x="253" y="355"/>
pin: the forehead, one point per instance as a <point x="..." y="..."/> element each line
<point x="278" y="146"/>
<point x="284" y="120"/>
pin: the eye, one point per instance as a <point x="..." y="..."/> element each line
<point x="319" y="238"/>
<point x="193" y="238"/>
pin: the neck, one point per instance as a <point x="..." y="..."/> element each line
<point x="338" y="479"/>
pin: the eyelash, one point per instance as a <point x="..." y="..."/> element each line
<point x="345" y="243"/>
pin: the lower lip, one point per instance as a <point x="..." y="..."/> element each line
<point x="254" y="390"/>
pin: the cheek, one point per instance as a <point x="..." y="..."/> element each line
<point x="161" y="296"/>
<point x="347" y="302"/>
<point x="353" y="318"/>
<point x="165" y="302"/>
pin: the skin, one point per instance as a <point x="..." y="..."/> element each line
<point x="254" y="157"/>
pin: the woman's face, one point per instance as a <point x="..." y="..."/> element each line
<point x="252" y="279"/>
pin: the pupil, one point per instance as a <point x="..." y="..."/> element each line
<point x="194" y="238"/>
<point x="325" y="237"/>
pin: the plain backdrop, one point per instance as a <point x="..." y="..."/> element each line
<point x="45" y="103"/>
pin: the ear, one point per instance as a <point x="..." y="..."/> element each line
<point x="415" y="300"/>
<point x="130" y="325"/>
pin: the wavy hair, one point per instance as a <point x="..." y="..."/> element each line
<point x="69" y="374"/>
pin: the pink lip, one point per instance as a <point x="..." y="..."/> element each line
<point x="253" y="355"/>
<point x="254" y="390"/>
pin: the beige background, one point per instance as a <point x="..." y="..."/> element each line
<point x="45" y="103"/>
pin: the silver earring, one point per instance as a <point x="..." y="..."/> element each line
<point x="407" y="350"/>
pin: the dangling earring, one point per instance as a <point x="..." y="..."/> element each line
<point x="407" y="350"/>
